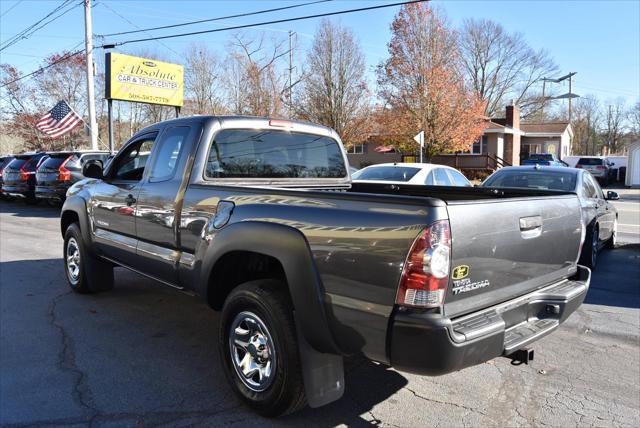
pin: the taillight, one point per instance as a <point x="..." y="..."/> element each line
<point x="63" y="173"/>
<point x="24" y="174"/>
<point x="601" y="167"/>
<point x="578" y="166"/>
<point x="426" y="270"/>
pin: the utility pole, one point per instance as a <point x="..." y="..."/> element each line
<point x="290" y="71"/>
<point x="570" y="78"/>
<point x="91" y="98"/>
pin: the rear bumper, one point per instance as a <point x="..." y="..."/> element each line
<point x="18" y="189"/>
<point x="431" y="344"/>
<point x="51" y="192"/>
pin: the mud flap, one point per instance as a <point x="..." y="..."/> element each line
<point x="323" y="374"/>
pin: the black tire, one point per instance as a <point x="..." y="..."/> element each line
<point x="269" y="301"/>
<point x="93" y="274"/>
<point x="611" y="242"/>
<point x="589" y="254"/>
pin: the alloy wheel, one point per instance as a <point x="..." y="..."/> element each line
<point x="252" y="351"/>
<point x="73" y="260"/>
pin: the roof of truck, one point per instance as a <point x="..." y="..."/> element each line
<point x="281" y="122"/>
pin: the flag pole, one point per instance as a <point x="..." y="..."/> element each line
<point x="88" y="126"/>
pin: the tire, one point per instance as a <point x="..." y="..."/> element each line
<point x="261" y="311"/>
<point x="611" y="242"/>
<point x="31" y="200"/>
<point x="85" y="273"/>
<point x="589" y="254"/>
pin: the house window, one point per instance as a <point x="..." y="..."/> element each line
<point x="356" y="149"/>
<point x="480" y="146"/>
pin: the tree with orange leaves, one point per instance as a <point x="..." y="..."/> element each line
<point x="422" y="85"/>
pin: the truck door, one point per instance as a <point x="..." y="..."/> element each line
<point x="159" y="203"/>
<point x="114" y="200"/>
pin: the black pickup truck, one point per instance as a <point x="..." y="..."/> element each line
<point x="259" y="218"/>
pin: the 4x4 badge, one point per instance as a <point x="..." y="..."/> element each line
<point x="460" y="272"/>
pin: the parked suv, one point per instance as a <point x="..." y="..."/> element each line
<point x="19" y="176"/>
<point x="600" y="167"/>
<point x="4" y="161"/>
<point x="60" y="170"/>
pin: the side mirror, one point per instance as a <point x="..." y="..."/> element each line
<point x="92" y="169"/>
<point x="612" y="163"/>
<point x="612" y="196"/>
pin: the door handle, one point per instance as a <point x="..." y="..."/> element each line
<point x="130" y="200"/>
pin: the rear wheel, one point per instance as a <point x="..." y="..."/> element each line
<point x="611" y="243"/>
<point x="85" y="273"/>
<point x="259" y="349"/>
<point x="589" y="254"/>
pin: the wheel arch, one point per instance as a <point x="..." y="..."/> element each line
<point x="286" y="253"/>
<point x="74" y="210"/>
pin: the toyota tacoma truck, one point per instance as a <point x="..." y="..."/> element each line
<point x="260" y="219"/>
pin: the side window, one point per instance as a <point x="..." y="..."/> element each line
<point x="596" y="186"/>
<point x="457" y="178"/>
<point x="442" y="179"/>
<point x="587" y="186"/>
<point x="429" y="181"/>
<point x="167" y="153"/>
<point x="129" y="165"/>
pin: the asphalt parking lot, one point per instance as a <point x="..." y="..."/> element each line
<point x="144" y="355"/>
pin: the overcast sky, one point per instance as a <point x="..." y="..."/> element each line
<point x="600" y="40"/>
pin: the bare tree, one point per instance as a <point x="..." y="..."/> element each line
<point x="254" y="81"/>
<point x="634" y="119"/>
<point x="615" y="124"/>
<point x="586" y="122"/>
<point x="203" y="94"/>
<point x="334" y="90"/>
<point x="501" y="66"/>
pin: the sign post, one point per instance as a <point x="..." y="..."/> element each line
<point x="420" y="140"/>
<point x="142" y="80"/>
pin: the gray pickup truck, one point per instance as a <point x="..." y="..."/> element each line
<point x="259" y="218"/>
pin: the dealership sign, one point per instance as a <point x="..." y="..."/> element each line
<point x="142" y="80"/>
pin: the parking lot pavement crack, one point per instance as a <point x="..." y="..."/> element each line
<point x="446" y="403"/>
<point x="67" y="361"/>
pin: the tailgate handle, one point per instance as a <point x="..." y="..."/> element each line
<point x="531" y="227"/>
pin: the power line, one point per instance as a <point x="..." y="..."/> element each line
<point x="27" y="32"/>
<point x="240" y="15"/>
<point x="11" y="8"/>
<point x="131" y="23"/>
<point x="278" y="21"/>
<point x="41" y="69"/>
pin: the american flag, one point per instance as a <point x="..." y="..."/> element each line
<point x="59" y="120"/>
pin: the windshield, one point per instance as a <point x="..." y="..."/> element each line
<point x="386" y="173"/>
<point x="590" y="161"/>
<point x="541" y="157"/>
<point x="543" y="179"/>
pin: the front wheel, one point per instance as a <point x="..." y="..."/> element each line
<point x="259" y="349"/>
<point x="85" y="273"/>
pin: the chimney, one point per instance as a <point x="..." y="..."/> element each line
<point x="513" y="116"/>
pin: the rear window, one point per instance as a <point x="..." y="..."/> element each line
<point x="274" y="154"/>
<point x="590" y="161"/>
<point x="386" y="173"/>
<point x="17" y="163"/>
<point x="54" y="161"/>
<point x="546" y="180"/>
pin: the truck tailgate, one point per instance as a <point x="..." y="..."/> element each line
<point x="504" y="248"/>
